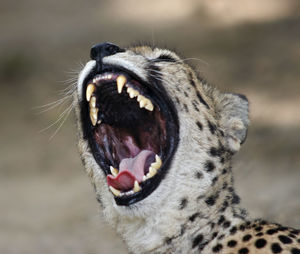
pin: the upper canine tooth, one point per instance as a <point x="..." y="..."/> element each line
<point x="121" y="80"/>
<point x="157" y="163"/>
<point x="114" y="171"/>
<point x="114" y="191"/>
<point x="93" y="101"/>
<point x="89" y="90"/>
<point x="136" y="187"/>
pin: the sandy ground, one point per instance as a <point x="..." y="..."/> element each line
<point x="46" y="201"/>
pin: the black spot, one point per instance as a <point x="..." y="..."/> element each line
<point x="224" y="206"/>
<point x="210" y="200"/>
<point x="271" y="231"/>
<point x="212" y="225"/>
<point x="99" y="200"/>
<point x="247" y="237"/>
<point x="232" y="243"/>
<point x="282" y="228"/>
<point x="242" y="227"/>
<point x="263" y="222"/>
<point x="224" y="171"/>
<point x="214" y="235"/>
<point x="211" y="127"/>
<point x="199" y="174"/>
<point x="193" y="217"/>
<point x="195" y="107"/>
<point x="260" y="234"/>
<point x="209" y="166"/>
<point x="197" y="240"/>
<point x="214" y="180"/>
<point x="186" y="108"/>
<point x="258" y="228"/>
<point x="226" y="224"/>
<point x="243" y="251"/>
<point x="260" y="243"/>
<point x="221" y="237"/>
<point x="225" y="185"/>
<point x="200" y="126"/>
<point x="202" y="100"/>
<point x="217" y="248"/>
<point x="183" y="203"/>
<point x="275" y="247"/>
<point x="284" y="239"/>
<point x="192" y="80"/>
<point x="185" y="93"/>
<point x="233" y="230"/>
<point x="298" y="240"/>
<point x="295" y="251"/>
<point x="235" y="199"/>
<point x="182" y="230"/>
<point x="165" y="58"/>
<point x="296" y="232"/>
<point x="177" y="100"/>
<point x="168" y="240"/>
<point x="221" y="220"/>
<point x="292" y="235"/>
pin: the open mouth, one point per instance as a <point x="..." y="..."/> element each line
<point x="132" y="129"/>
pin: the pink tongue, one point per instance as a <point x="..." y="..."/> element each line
<point x="131" y="169"/>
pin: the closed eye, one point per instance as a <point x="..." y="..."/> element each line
<point x="165" y="58"/>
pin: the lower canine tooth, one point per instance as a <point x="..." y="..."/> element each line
<point x="89" y="90"/>
<point x="114" y="191"/>
<point x="114" y="171"/>
<point x="136" y="187"/>
<point x="121" y="80"/>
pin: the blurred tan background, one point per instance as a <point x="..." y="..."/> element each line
<point x="47" y="204"/>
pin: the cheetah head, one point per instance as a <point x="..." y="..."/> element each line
<point x="149" y="129"/>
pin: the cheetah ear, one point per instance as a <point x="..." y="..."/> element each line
<point x="233" y="112"/>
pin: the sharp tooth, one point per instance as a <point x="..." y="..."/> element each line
<point x="143" y="102"/>
<point x="121" y="80"/>
<point x="89" y="90"/>
<point x="144" y="178"/>
<point x="94" y="115"/>
<point x="136" y="187"/>
<point x="157" y="163"/>
<point x="133" y="93"/>
<point x="140" y="97"/>
<point x="93" y="101"/>
<point x="114" y="171"/>
<point x="152" y="172"/>
<point x="149" y="106"/>
<point x="114" y="191"/>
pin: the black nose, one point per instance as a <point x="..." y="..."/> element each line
<point x="101" y="50"/>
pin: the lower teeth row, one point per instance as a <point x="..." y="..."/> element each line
<point x="136" y="188"/>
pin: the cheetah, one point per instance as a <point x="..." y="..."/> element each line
<point x="157" y="141"/>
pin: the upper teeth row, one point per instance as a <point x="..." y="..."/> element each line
<point x="136" y="188"/>
<point x="121" y="82"/>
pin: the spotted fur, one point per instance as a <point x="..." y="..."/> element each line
<point x="195" y="208"/>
